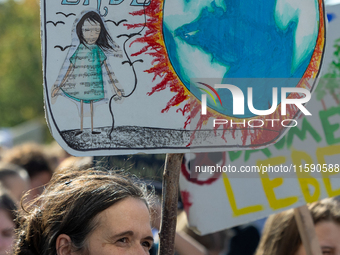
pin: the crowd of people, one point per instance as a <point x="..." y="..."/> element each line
<point x="57" y="204"/>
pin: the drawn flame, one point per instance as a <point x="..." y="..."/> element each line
<point x="155" y="47"/>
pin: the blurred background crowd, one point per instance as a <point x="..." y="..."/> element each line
<point x="29" y="157"/>
<point x="25" y="171"/>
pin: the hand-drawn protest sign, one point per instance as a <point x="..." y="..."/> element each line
<point x="129" y="76"/>
<point x="304" y="166"/>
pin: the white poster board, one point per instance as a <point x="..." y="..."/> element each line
<point x="124" y="77"/>
<point x="225" y="189"/>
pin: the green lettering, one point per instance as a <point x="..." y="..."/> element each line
<point x="306" y="126"/>
<point x="280" y="144"/>
<point x="329" y="128"/>
<point x="233" y="155"/>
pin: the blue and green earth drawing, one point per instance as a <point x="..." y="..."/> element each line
<point x="231" y="39"/>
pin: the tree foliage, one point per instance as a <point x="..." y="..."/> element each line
<point x="21" y="90"/>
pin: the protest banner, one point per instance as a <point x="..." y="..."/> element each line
<point x="301" y="168"/>
<point x="123" y="77"/>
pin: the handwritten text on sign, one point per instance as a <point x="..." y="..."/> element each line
<point x="301" y="168"/>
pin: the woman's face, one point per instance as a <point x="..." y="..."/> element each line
<point x="91" y="31"/>
<point x="6" y="232"/>
<point x="122" y="229"/>
<point x="328" y="233"/>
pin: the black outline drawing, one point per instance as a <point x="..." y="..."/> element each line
<point x="61" y="47"/>
<point x="66" y="15"/>
<point x="56" y="23"/>
<point x="131" y="64"/>
<point x="144" y="145"/>
<point x="118" y="23"/>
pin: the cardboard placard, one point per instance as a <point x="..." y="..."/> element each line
<point x="131" y="76"/>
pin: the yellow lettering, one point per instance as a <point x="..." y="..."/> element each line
<point x="320" y="155"/>
<point x="238" y="211"/>
<point x="270" y="185"/>
<point x="305" y="179"/>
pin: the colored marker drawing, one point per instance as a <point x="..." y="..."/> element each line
<point x="83" y="80"/>
<point x="261" y="45"/>
<point x="128" y="78"/>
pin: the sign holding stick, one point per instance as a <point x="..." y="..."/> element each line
<point x="307" y="230"/>
<point x="167" y="232"/>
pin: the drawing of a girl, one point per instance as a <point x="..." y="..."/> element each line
<point x="83" y="80"/>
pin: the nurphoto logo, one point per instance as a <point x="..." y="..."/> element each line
<point x="238" y="104"/>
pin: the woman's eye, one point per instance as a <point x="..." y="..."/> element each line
<point x="327" y="252"/>
<point x="147" y="244"/>
<point x="123" y="240"/>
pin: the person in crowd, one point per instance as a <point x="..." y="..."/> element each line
<point x="33" y="159"/>
<point x="92" y="211"/>
<point x="79" y="163"/>
<point x="281" y="235"/>
<point x="7" y="225"/>
<point x="56" y="154"/>
<point x="188" y="242"/>
<point x="15" y="179"/>
<point x="187" y="245"/>
<point x="238" y="246"/>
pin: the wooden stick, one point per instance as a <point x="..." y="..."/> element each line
<point x="307" y="231"/>
<point x="169" y="204"/>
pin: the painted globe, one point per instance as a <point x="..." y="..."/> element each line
<point x="260" y="44"/>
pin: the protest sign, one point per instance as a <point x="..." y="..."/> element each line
<point x="124" y="77"/>
<point x="224" y="189"/>
<point x="301" y="168"/>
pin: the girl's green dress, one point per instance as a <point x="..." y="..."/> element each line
<point x="85" y="80"/>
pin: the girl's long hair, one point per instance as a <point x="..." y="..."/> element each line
<point x="281" y="234"/>
<point x="104" y="41"/>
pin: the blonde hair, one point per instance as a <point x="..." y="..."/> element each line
<point x="281" y="235"/>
